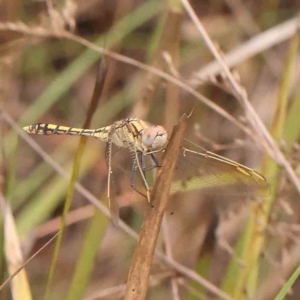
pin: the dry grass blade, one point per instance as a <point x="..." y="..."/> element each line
<point x="19" y="284"/>
<point x="7" y="281"/>
<point x="254" y="46"/>
<point x="137" y="285"/>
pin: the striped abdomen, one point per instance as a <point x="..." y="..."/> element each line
<point x="125" y="133"/>
<point x="47" y="129"/>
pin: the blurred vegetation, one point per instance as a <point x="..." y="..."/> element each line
<point x="246" y="247"/>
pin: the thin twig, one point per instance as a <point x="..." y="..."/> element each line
<point x="119" y="291"/>
<point x="250" y="48"/>
<point x="73" y="217"/>
<point x="242" y="97"/>
<point x="23" y="265"/>
<point x="167" y="242"/>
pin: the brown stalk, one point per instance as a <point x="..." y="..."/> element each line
<point x="137" y="284"/>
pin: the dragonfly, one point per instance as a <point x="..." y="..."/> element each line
<point x="196" y="168"/>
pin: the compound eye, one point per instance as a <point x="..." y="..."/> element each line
<point x="155" y="137"/>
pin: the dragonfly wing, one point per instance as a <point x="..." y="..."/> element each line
<point x="198" y="169"/>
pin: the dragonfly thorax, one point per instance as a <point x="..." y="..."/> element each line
<point x="155" y="138"/>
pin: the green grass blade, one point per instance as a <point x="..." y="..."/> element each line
<point x="88" y="253"/>
<point x="292" y="127"/>
<point x="284" y="291"/>
<point x="74" y="176"/>
<point x="254" y="234"/>
<point x="38" y="176"/>
<point x="43" y="205"/>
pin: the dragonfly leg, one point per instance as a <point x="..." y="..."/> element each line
<point x="132" y="179"/>
<point x="141" y="165"/>
<point x="155" y="160"/>
<point x="133" y="175"/>
<point x="143" y="162"/>
<point x="143" y="175"/>
<point x="111" y="192"/>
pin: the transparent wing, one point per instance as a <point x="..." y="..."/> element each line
<point x="198" y="169"/>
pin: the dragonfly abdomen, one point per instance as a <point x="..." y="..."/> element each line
<point x="48" y="129"/>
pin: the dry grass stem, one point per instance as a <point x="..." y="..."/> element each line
<point x="256" y="45"/>
<point x="17" y="261"/>
<point x="250" y="113"/>
<point x="119" y="291"/>
<point x="167" y="243"/>
<point x="137" y="284"/>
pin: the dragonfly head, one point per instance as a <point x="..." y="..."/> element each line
<point x="155" y="137"/>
